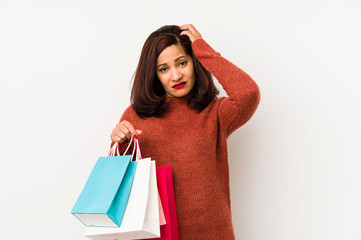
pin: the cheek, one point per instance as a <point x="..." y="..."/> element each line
<point x="162" y="80"/>
<point x="191" y="74"/>
<point x="191" y="71"/>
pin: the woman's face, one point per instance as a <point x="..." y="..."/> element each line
<point x="175" y="71"/>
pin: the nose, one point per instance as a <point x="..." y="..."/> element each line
<point x="176" y="75"/>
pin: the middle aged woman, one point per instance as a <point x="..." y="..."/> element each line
<point x="180" y="122"/>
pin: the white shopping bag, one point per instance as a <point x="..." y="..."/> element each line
<point x="141" y="216"/>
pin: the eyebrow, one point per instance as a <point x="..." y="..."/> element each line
<point x="174" y="60"/>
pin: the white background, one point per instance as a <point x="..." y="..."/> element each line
<point x="65" y="71"/>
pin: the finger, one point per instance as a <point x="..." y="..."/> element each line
<point x="114" y="137"/>
<point x="138" y="132"/>
<point x="188" y="27"/>
<point x="189" y="35"/>
<point x="130" y="128"/>
<point x="120" y="134"/>
<point x="124" y="130"/>
<point x="190" y="31"/>
<point x="185" y="33"/>
<point x="186" y="30"/>
<point x="118" y="137"/>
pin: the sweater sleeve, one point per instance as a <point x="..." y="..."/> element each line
<point x="243" y="92"/>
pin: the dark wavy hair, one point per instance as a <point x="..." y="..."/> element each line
<point x="148" y="94"/>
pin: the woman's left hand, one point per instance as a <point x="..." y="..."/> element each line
<point x="190" y="31"/>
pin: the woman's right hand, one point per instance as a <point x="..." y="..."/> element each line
<point x="124" y="131"/>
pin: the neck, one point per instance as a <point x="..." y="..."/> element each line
<point x="175" y="99"/>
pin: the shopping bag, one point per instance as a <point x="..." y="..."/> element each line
<point x="161" y="212"/>
<point x="169" y="231"/>
<point x="104" y="197"/>
<point x="141" y="217"/>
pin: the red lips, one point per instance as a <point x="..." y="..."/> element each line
<point x="179" y="85"/>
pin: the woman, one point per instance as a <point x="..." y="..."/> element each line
<point x="180" y="122"/>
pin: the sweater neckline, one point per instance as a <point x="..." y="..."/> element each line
<point x="176" y="99"/>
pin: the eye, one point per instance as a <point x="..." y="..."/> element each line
<point x="183" y="63"/>
<point x="162" y="69"/>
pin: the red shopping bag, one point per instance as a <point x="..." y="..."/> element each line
<point x="169" y="231"/>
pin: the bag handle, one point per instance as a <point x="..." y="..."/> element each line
<point x="114" y="151"/>
<point x="126" y="150"/>
<point x="137" y="148"/>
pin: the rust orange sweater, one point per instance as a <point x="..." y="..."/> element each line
<point x="195" y="145"/>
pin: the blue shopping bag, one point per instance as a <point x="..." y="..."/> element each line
<point x="105" y="195"/>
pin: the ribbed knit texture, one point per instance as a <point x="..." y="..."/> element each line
<point x="195" y="145"/>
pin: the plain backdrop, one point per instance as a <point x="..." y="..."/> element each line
<point x="66" y="69"/>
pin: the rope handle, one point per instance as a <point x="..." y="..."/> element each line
<point x="137" y="148"/>
<point x="114" y="151"/>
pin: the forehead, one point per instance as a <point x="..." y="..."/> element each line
<point x="171" y="53"/>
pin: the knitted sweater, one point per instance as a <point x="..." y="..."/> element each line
<point x="195" y="145"/>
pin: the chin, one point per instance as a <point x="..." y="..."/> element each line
<point x="180" y="93"/>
